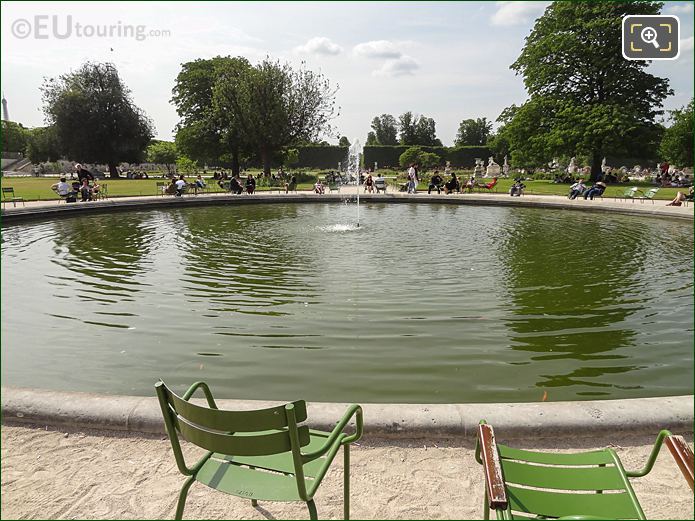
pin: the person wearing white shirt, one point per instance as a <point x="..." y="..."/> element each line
<point x="62" y="188"/>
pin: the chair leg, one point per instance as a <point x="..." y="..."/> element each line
<point x="312" y="509"/>
<point x="182" y="497"/>
<point x="486" y="508"/>
<point x="254" y="503"/>
<point x="346" y="482"/>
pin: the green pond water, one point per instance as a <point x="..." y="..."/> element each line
<point x="421" y="304"/>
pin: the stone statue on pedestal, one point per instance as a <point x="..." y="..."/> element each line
<point x="572" y="167"/>
<point x="479" y="168"/>
<point x="493" y="169"/>
<point x="505" y="167"/>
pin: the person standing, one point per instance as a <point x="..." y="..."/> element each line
<point x="412" y="179"/>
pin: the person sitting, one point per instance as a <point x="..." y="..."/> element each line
<point x="577" y="189"/>
<point x="517" y="188"/>
<point x="369" y="184"/>
<point x="435" y="182"/>
<point x="292" y="185"/>
<point x="471" y="184"/>
<point x="235" y="185"/>
<point x="490" y="185"/>
<point x="380" y="183"/>
<point x="452" y="185"/>
<point x="318" y="187"/>
<point x="85" y="190"/>
<point x="199" y="183"/>
<point x="681" y="197"/>
<point x="595" y="191"/>
<point x="171" y="187"/>
<point x="61" y="188"/>
<point x="180" y="186"/>
<point x="96" y="187"/>
<point x="250" y="184"/>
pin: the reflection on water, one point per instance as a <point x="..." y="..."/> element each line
<point x="420" y="304"/>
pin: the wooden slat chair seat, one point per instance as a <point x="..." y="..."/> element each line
<point x="523" y="484"/>
<point x="259" y="455"/>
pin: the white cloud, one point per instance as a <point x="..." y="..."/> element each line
<point x="517" y="13"/>
<point x="686" y="8"/>
<point x="320" y="45"/>
<point x="687" y="44"/>
<point x="403" y="66"/>
<point x="377" y="49"/>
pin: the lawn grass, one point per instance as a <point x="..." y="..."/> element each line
<point x="38" y="188"/>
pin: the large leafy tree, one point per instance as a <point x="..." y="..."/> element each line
<point x="275" y="106"/>
<point x="473" y="132"/>
<point x="385" y="129"/>
<point x="677" y="143"/>
<point x="14" y="137"/>
<point x="585" y="98"/>
<point x="43" y="145"/>
<point x="95" y="118"/>
<point x="163" y="153"/>
<point x="205" y="134"/>
<point x="417" y="130"/>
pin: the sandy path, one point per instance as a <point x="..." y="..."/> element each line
<point x="48" y="474"/>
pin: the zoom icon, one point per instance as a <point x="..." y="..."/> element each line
<point x="653" y="37"/>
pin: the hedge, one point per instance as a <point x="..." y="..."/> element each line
<point x="387" y="156"/>
<point x="321" y="156"/>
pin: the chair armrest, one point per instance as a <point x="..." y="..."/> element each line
<point x="683" y="455"/>
<point x="206" y="390"/>
<point x="495" y="491"/>
<point x="353" y="410"/>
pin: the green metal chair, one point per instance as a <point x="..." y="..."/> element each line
<point x="629" y="193"/>
<point x="261" y="455"/>
<point x="648" y="195"/>
<point x="521" y="484"/>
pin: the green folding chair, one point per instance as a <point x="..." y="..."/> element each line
<point x="521" y="484"/>
<point x="648" y="195"/>
<point x="262" y="455"/>
<point x="629" y="193"/>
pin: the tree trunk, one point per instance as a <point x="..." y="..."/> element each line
<point x="113" y="171"/>
<point x="265" y="157"/>
<point x="596" y="160"/>
<point x="235" y="161"/>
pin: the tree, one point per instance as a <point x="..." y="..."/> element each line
<point x="473" y="132"/>
<point x="344" y="142"/>
<point x="417" y="130"/>
<point x="276" y="106"/>
<point x="371" y="139"/>
<point x="290" y="157"/>
<point x="185" y="165"/>
<point x="677" y="143"/>
<point x="14" y="137"/>
<point x="585" y="98"/>
<point x="95" y="118"/>
<point x="429" y="160"/>
<point x="385" y="129"/>
<point x="411" y="156"/>
<point x="162" y="153"/>
<point x="204" y="133"/>
<point x="43" y="145"/>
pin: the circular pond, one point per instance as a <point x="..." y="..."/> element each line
<point x="422" y="303"/>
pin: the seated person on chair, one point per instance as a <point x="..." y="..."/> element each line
<point x="85" y="190"/>
<point x="171" y="188"/>
<point x="517" y="188"/>
<point x="452" y="185"/>
<point x="180" y="186"/>
<point x="369" y="184"/>
<point x="318" y="187"/>
<point x="235" y="185"/>
<point x="61" y="188"/>
<point x="490" y="185"/>
<point x="595" y="191"/>
<point x="435" y="182"/>
<point x="199" y="183"/>
<point x="680" y="197"/>
<point x="471" y="184"/>
<point x="292" y="185"/>
<point x="577" y="189"/>
<point x="380" y="183"/>
<point x="250" y="184"/>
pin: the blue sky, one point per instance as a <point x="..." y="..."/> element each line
<point x="448" y="60"/>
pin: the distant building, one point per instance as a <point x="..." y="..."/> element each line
<point x="5" y="113"/>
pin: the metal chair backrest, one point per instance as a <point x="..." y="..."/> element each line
<point x="9" y="191"/>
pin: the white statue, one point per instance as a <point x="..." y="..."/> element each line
<point x="493" y="169"/>
<point x="604" y="167"/>
<point x="572" y="167"/>
<point x="505" y="167"/>
<point x="479" y="167"/>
